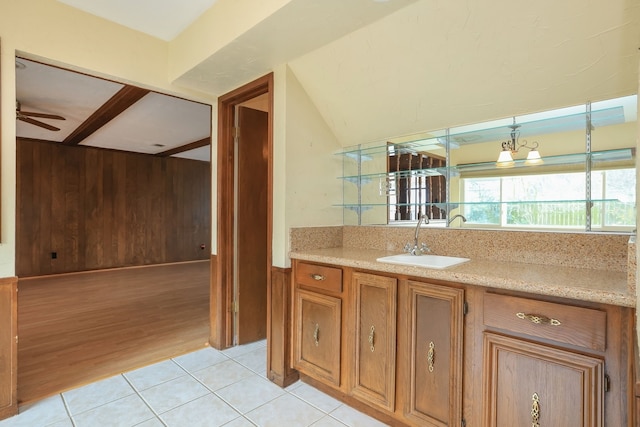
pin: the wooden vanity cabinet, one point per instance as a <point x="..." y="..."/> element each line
<point x="551" y="363"/>
<point x="414" y="352"/>
<point x="434" y="326"/>
<point x="533" y="384"/>
<point x="374" y="371"/>
<point x="317" y="322"/>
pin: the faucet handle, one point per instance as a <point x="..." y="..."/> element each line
<point x="408" y="247"/>
<point x="424" y="248"/>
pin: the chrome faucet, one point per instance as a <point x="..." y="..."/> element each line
<point x="415" y="250"/>
<point x="457" y="216"/>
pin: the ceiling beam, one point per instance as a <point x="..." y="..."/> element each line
<point x="191" y="146"/>
<point x="125" y="98"/>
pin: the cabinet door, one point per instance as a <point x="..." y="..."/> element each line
<point x="434" y="388"/>
<point x="375" y="349"/>
<point x="528" y="384"/>
<point x="317" y="335"/>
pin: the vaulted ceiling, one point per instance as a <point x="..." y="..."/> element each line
<point x="373" y="68"/>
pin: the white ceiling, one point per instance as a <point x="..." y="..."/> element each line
<point x="164" y="19"/>
<point x="153" y="124"/>
<point x="298" y="27"/>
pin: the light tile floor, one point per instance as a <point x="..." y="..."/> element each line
<point x="205" y="388"/>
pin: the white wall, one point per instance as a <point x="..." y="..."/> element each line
<point x="305" y="184"/>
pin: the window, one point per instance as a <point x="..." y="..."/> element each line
<point x="514" y="201"/>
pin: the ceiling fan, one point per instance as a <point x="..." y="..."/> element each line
<point x="25" y="116"/>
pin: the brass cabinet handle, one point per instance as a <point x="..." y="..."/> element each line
<point x="317" y="277"/>
<point x="316" y="335"/>
<point x="431" y="355"/>
<point x="372" y="337"/>
<point x="535" y="410"/>
<point x="538" y="319"/>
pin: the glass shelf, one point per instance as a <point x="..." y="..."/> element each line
<point x="372" y="193"/>
<point x="455" y="205"/>
<point x="560" y="160"/>
<point x="485" y="132"/>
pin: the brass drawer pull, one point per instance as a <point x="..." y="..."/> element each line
<point x="431" y="355"/>
<point x="535" y="410"/>
<point x="539" y="319"/>
<point x="316" y="335"/>
<point x="317" y="277"/>
<point x="372" y="337"/>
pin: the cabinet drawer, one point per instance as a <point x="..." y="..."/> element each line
<point x="584" y="327"/>
<point x="319" y="277"/>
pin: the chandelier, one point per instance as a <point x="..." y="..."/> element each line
<point x="511" y="147"/>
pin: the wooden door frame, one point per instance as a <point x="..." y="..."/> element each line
<point x="222" y="276"/>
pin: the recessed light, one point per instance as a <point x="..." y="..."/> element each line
<point x="158" y="145"/>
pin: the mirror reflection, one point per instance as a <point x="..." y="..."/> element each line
<point x="566" y="169"/>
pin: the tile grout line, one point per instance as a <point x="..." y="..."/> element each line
<point x="68" y="410"/>
<point x="144" y="400"/>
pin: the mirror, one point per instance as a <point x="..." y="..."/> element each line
<point x="581" y="176"/>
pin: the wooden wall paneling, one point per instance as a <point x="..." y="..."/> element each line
<point x="107" y="230"/>
<point x="140" y="210"/>
<point x="171" y="207"/>
<point x="58" y="208"/>
<point x="120" y="208"/>
<point x="204" y="204"/>
<point x="185" y="227"/>
<point x="93" y="200"/>
<point x="71" y="211"/>
<point x="8" y="347"/>
<point x="44" y="168"/>
<point x="155" y="240"/>
<point x="103" y="209"/>
<point x="24" y="159"/>
<point x="81" y="254"/>
<point x="279" y="368"/>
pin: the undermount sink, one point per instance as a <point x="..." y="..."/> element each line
<point x="428" y="261"/>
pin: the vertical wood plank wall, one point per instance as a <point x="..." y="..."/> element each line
<point x="102" y="208"/>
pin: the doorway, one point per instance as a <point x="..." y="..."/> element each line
<point x="244" y="230"/>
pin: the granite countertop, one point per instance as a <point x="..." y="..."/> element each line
<point x="604" y="286"/>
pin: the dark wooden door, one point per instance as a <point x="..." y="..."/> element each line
<point x="251" y="217"/>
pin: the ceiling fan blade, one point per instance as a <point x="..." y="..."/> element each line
<point x="37" y="123"/>
<point x="42" y="115"/>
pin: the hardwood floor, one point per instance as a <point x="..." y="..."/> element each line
<point x="77" y="328"/>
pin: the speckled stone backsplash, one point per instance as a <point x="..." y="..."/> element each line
<point x="302" y="238"/>
<point x="632" y="264"/>
<point x="579" y="250"/>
